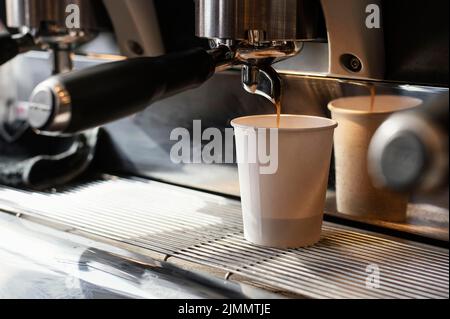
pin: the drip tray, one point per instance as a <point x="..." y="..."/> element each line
<point x="206" y="230"/>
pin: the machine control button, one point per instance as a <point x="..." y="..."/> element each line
<point x="41" y="110"/>
<point x="403" y="160"/>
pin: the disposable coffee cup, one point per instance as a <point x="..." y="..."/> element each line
<point x="358" y="121"/>
<point x="283" y="199"/>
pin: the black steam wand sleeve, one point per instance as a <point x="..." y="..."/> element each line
<point x="98" y="95"/>
<point x="11" y="46"/>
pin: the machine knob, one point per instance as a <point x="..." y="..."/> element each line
<point x="410" y="150"/>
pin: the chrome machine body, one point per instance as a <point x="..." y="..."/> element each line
<point x="259" y="33"/>
<point x="130" y="54"/>
<point x="47" y="22"/>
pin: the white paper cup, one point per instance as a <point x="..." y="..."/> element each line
<point x="284" y="209"/>
<point x="355" y="192"/>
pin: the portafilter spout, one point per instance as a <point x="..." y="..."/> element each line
<point x="263" y="81"/>
<point x="261" y="33"/>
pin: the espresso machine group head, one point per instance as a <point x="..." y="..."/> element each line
<point x="59" y="26"/>
<point x="259" y="33"/>
<point x="253" y="34"/>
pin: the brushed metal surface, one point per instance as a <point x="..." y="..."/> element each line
<point x="31" y="13"/>
<point x="277" y="19"/>
<point x="38" y="262"/>
<point x="207" y="230"/>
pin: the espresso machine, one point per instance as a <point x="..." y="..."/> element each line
<point x="255" y="35"/>
<point x="138" y="69"/>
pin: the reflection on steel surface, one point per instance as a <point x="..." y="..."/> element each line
<point x="38" y="262"/>
<point x="207" y="230"/>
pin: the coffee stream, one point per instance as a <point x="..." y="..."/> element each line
<point x="278" y="109"/>
<point x="373" y="94"/>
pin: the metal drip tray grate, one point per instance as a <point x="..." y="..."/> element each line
<point x="207" y="230"/>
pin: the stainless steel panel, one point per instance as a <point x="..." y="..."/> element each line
<point x="38" y="262"/>
<point x="207" y="230"/>
<point x="31" y="13"/>
<point x="278" y="19"/>
<point x="15" y="13"/>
